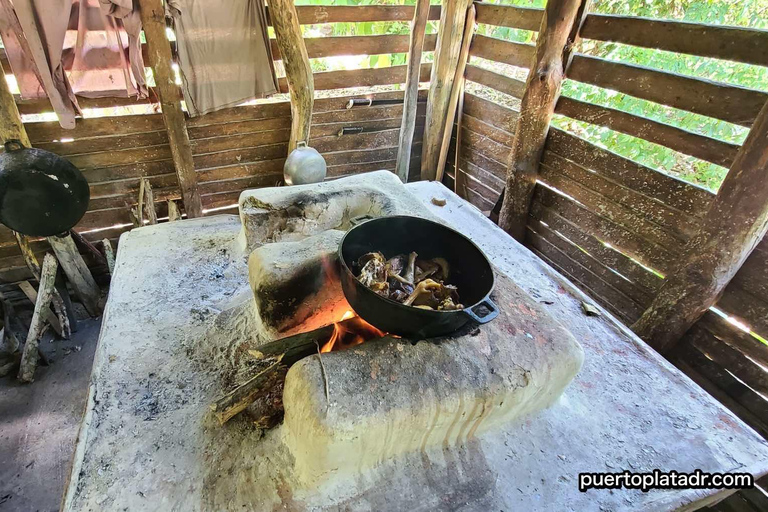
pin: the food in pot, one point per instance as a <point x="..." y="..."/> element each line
<point x="409" y="280"/>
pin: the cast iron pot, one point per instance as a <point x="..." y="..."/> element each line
<point x="470" y="271"/>
<point x="41" y="193"/>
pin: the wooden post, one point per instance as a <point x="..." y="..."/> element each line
<point x="559" y="29"/>
<point x="411" y="98"/>
<point x="159" y="49"/>
<point x="734" y="224"/>
<point x="173" y="211"/>
<point x="77" y="272"/>
<point x="109" y="255"/>
<point x="11" y="126"/>
<point x="457" y="89"/>
<point x="29" y="354"/>
<point x="447" y="49"/>
<point x="459" y="183"/>
<point x="149" y="201"/>
<point x="298" y="73"/>
<point x="48" y="315"/>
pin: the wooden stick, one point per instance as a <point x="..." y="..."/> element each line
<point x="63" y="326"/>
<point x="233" y="403"/>
<point x="447" y="49"/>
<point x="10" y="340"/>
<point x="456" y="90"/>
<point x="83" y="244"/>
<point x="140" y="206"/>
<point x="293" y="348"/>
<point x="169" y="93"/>
<point x="173" y="211"/>
<point x="11" y="126"/>
<point x="109" y="254"/>
<point x="734" y="224"/>
<point x="30" y="354"/>
<point x="77" y="272"/>
<point x="48" y="315"/>
<point x="459" y="183"/>
<point x="559" y="27"/>
<point x="408" y="126"/>
<point x="149" y="202"/>
<point x="298" y="73"/>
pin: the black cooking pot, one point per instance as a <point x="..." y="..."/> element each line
<point x="470" y="272"/>
<point x="41" y="193"/>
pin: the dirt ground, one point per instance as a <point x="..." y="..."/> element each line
<point x="39" y="423"/>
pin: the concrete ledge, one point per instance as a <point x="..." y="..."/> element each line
<point x="390" y="397"/>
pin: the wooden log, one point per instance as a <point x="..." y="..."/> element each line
<point x="234" y="402"/>
<point x="149" y="202"/>
<point x="48" y="315"/>
<point x="109" y="254"/>
<point x="173" y="211"/>
<point x="448" y="47"/>
<point x="408" y="126"/>
<point x="293" y="348"/>
<point x="456" y="90"/>
<point x="297" y="70"/>
<point x="30" y="352"/>
<point x="169" y="93"/>
<point x="459" y="181"/>
<point x="559" y="30"/>
<point x="729" y="43"/>
<point x="736" y="221"/>
<point x="77" y="272"/>
<point x="63" y="326"/>
<point x="11" y="127"/>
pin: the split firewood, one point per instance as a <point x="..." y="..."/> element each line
<point x="294" y="348"/>
<point x="174" y="213"/>
<point x="236" y="401"/>
<point x="48" y="315"/>
<point x="77" y="272"/>
<point x="30" y="354"/>
<point x="109" y="254"/>
<point x="149" y="202"/>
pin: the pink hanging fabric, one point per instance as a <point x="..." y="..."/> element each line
<point x="86" y="47"/>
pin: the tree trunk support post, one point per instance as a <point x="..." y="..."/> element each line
<point x="169" y="93"/>
<point x="447" y="49"/>
<point x="557" y="35"/>
<point x="29" y="354"/>
<point x="411" y="98"/>
<point x="77" y="272"/>
<point x="298" y="73"/>
<point x="735" y="223"/>
<point x="11" y="126"/>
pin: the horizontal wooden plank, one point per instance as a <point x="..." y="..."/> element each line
<point x="734" y="337"/>
<point x="487" y="178"/>
<point x="679" y="224"/>
<point x="321" y="47"/>
<point x="477" y="156"/>
<point x="499" y="50"/>
<point x="730" y="103"/>
<point x="105" y="144"/>
<point x="730" y="43"/>
<point x="749" y="372"/>
<point x="752" y="277"/>
<point x="509" y="16"/>
<point x="671" y="191"/>
<point x="496" y="81"/>
<point x="315" y="14"/>
<point x="361" y="77"/>
<point x="120" y="157"/>
<point x="607" y="255"/>
<point x="487" y="146"/>
<point x="240" y="156"/>
<point x="751" y="310"/>
<point x="492" y="113"/>
<point x="37" y="106"/>
<point x="689" y="143"/>
<point x="382" y="139"/>
<point x="95" y="127"/>
<point x="628" y="242"/>
<point x="483" y="128"/>
<point x="119" y="172"/>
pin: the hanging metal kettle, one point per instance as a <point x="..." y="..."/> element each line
<point x="304" y="165"/>
<point x="41" y="193"/>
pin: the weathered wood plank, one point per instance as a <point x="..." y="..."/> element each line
<point x="749" y="309"/>
<point x="502" y="118"/>
<point x="736" y="222"/>
<point x="729" y="43"/>
<point x="499" y="50"/>
<point x="734" y="337"/>
<point x="730" y="103"/>
<point x="96" y="127"/>
<point x="485" y="129"/>
<point x="671" y="191"/>
<point x="752" y="277"/>
<point x="559" y="32"/>
<point x="314" y="14"/>
<point x="77" y="272"/>
<point x="495" y="81"/>
<point x="321" y="47"/>
<point x="510" y="16"/>
<point x="689" y="143"/>
<point x="29" y="355"/>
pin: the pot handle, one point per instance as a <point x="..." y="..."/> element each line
<point x="13" y="145"/>
<point x="360" y="219"/>
<point x="493" y="311"/>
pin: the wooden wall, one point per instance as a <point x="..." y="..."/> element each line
<point x="234" y="149"/>
<point x="615" y="227"/>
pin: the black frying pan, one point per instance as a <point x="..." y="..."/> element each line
<point x="470" y="272"/>
<point x="41" y="193"/>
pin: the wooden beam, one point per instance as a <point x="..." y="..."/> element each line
<point x="447" y="50"/>
<point x="173" y="211"/>
<point x="408" y="126"/>
<point x="11" y="127"/>
<point x="456" y="90"/>
<point x="77" y="272"/>
<point x="736" y="222"/>
<point x="169" y="93"/>
<point x="558" y="32"/>
<point x="109" y="253"/>
<point x="29" y="355"/>
<point x="298" y="73"/>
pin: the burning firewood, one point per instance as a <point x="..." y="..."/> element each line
<point x="231" y="404"/>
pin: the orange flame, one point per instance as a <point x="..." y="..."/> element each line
<point x="350" y="331"/>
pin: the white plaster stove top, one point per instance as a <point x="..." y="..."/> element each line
<point x="147" y="442"/>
